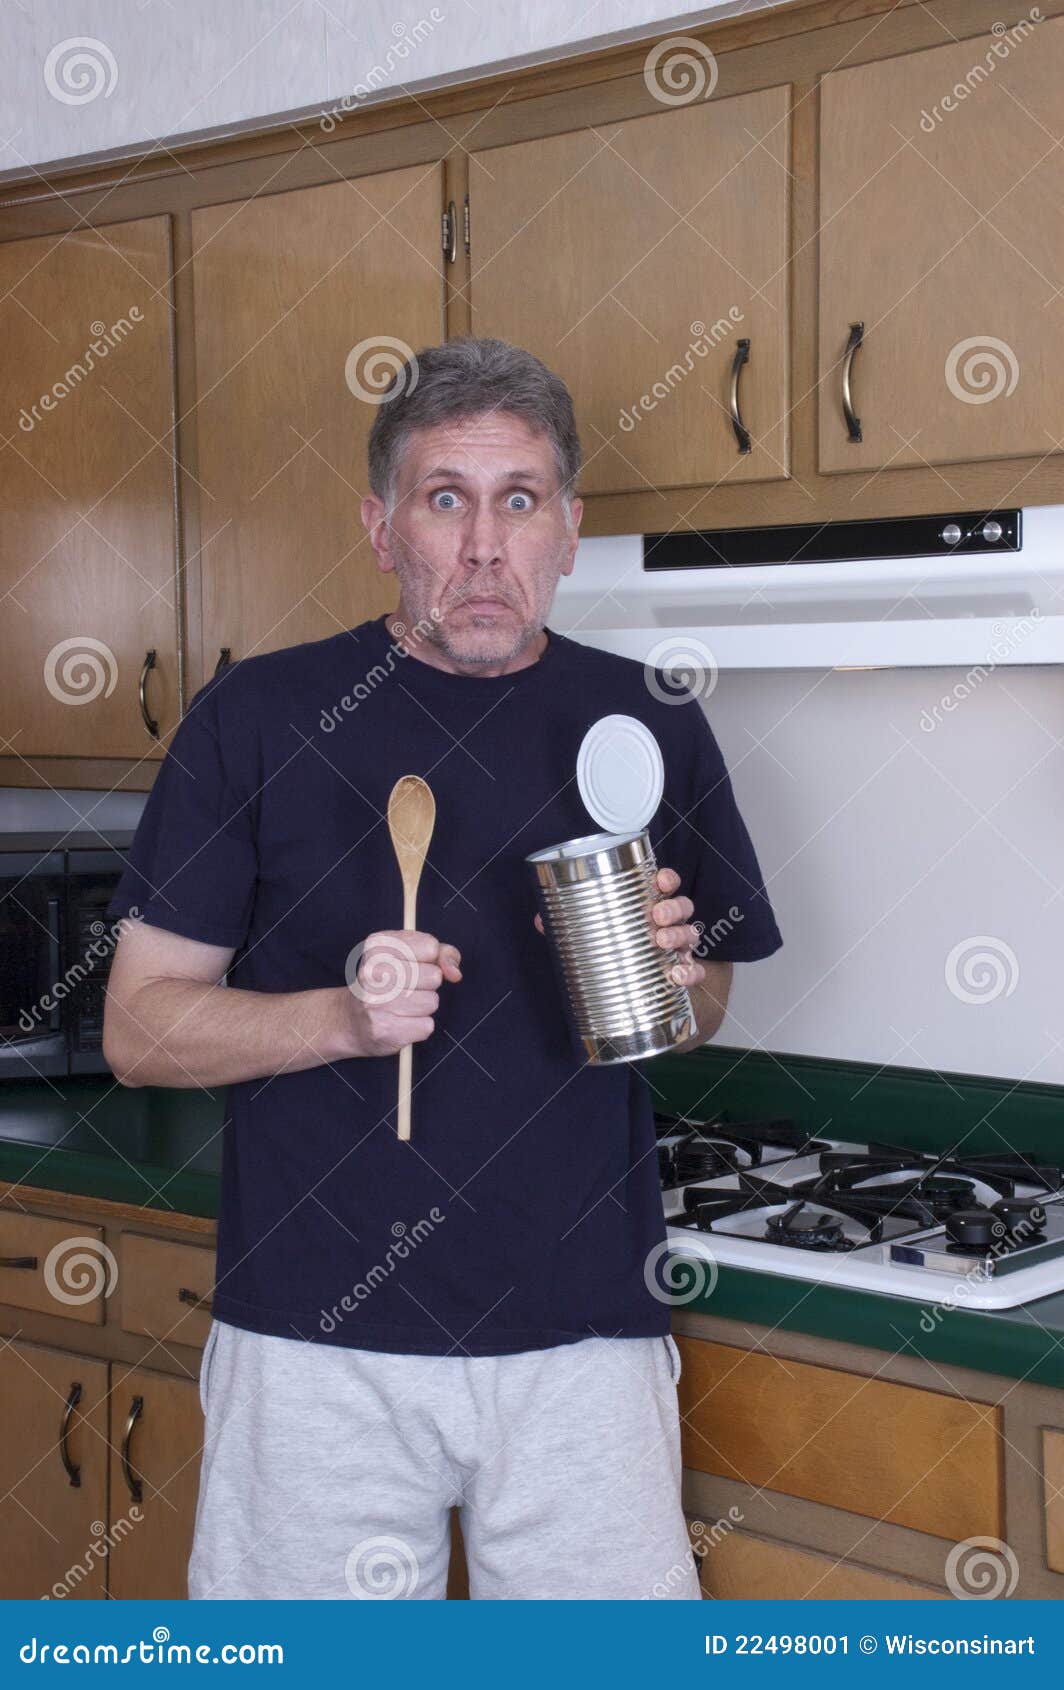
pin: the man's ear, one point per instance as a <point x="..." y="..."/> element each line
<point x="374" y="517"/>
<point x="577" y="513"/>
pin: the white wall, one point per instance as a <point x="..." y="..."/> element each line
<point x="168" y="69"/>
<point x="916" y="872"/>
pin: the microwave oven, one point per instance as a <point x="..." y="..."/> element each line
<point x="56" y="946"/>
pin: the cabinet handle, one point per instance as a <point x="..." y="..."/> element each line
<point x="142" y="692"/>
<point x="853" y="421"/>
<point x="742" y="433"/>
<point x="194" y="1299"/>
<point x="18" y="1261"/>
<point x="225" y="657"/>
<point x="133" y="1484"/>
<point x="72" y="1468"/>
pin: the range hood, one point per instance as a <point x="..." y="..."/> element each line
<point x="959" y="589"/>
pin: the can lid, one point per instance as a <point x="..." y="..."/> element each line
<point x="620" y="773"/>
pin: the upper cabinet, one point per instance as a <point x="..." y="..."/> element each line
<point x="646" y="262"/>
<point x="942" y="233"/>
<point x="305" y="302"/>
<point x="87" y="521"/>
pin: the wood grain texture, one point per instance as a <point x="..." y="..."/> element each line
<point x="87" y="529"/>
<point x="72" y="1272"/>
<point x="741" y="1568"/>
<point x="891" y="1452"/>
<point x="48" y="1525"/>
<point x="1053" y="1497"/>
<point x="631" y="258"/>
<point x="942" y="229"/>
<point x="286" y="287"/>
<point x="152" y="1273"/>
<point x="165" y="1449"/>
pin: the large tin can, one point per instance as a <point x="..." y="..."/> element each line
<point x="595" y="897"/>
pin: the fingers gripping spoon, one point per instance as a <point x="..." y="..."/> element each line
<point x="411" y="819"/>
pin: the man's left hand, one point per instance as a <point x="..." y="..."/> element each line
<point x="674" y="931"/>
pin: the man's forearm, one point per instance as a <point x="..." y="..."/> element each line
<point x="709" y="1000"/>
<point x="188" y="1033"/>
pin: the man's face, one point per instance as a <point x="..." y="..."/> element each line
<point x="479" y="535"/>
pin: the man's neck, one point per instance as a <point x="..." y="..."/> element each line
<point x="428" y="651"/>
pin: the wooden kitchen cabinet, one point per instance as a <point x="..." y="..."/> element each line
<point x="915" y="1457"/>
<point x="640" y="259"/>
<point x="88" y="569"/>
<point x="156" y="1442"/>
<point x="304" y="304"/>
<point x="53" y="1473"/>
<point x="942" y="231"/>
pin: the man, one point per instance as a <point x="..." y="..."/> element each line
<point x="469" y="1318"/>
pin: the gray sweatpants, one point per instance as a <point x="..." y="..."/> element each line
<point x="330" y="1472"/>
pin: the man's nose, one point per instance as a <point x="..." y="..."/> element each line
<point x="483" y="539"/>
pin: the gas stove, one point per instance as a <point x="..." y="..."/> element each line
<point x="950" y="1229"/>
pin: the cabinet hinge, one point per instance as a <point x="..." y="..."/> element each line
<point x="465" y="224"/>
<point x="449" y="239"/>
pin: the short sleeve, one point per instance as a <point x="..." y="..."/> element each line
<point x="709" y="846"/>
<point x="192" y="867"/>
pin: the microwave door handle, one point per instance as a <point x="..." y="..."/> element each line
<point x="54" y="964"/>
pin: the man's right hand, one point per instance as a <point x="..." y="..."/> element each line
<point x="392" y="994"/>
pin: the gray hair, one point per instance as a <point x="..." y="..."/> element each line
<point x="467" y="377"/>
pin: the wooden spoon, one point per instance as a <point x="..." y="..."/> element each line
<point x="411" y="819"/>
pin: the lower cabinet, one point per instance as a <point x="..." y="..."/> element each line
<point x="156" y="1442"/>
<point x="750" y="1569"/>
<point x="53" y="1473"/>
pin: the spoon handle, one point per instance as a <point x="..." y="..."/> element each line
<point x="406" y="1074"/>
<point x="406" y="1052"/>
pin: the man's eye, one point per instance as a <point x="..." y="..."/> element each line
<point x="438" y="499"/>
<point x="524" y="504"/>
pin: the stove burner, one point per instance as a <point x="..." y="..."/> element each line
<point x="702" y="1162"/>
<point x="803" y="1229"/>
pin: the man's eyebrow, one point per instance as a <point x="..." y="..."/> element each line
<point x="461" y="475"/>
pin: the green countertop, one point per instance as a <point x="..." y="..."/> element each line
<point x="162" y="1150"/>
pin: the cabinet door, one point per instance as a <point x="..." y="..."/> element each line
<point x="633" y="259"/>
<point x="53" y="1518"/>
<point x="942" y="231"/>
<point x="156" y="1442"/>
<point x="87" y="527"/>
<point x="304" y="301"/>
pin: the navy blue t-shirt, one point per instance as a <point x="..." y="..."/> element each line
<point x="523" y="1210"/>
